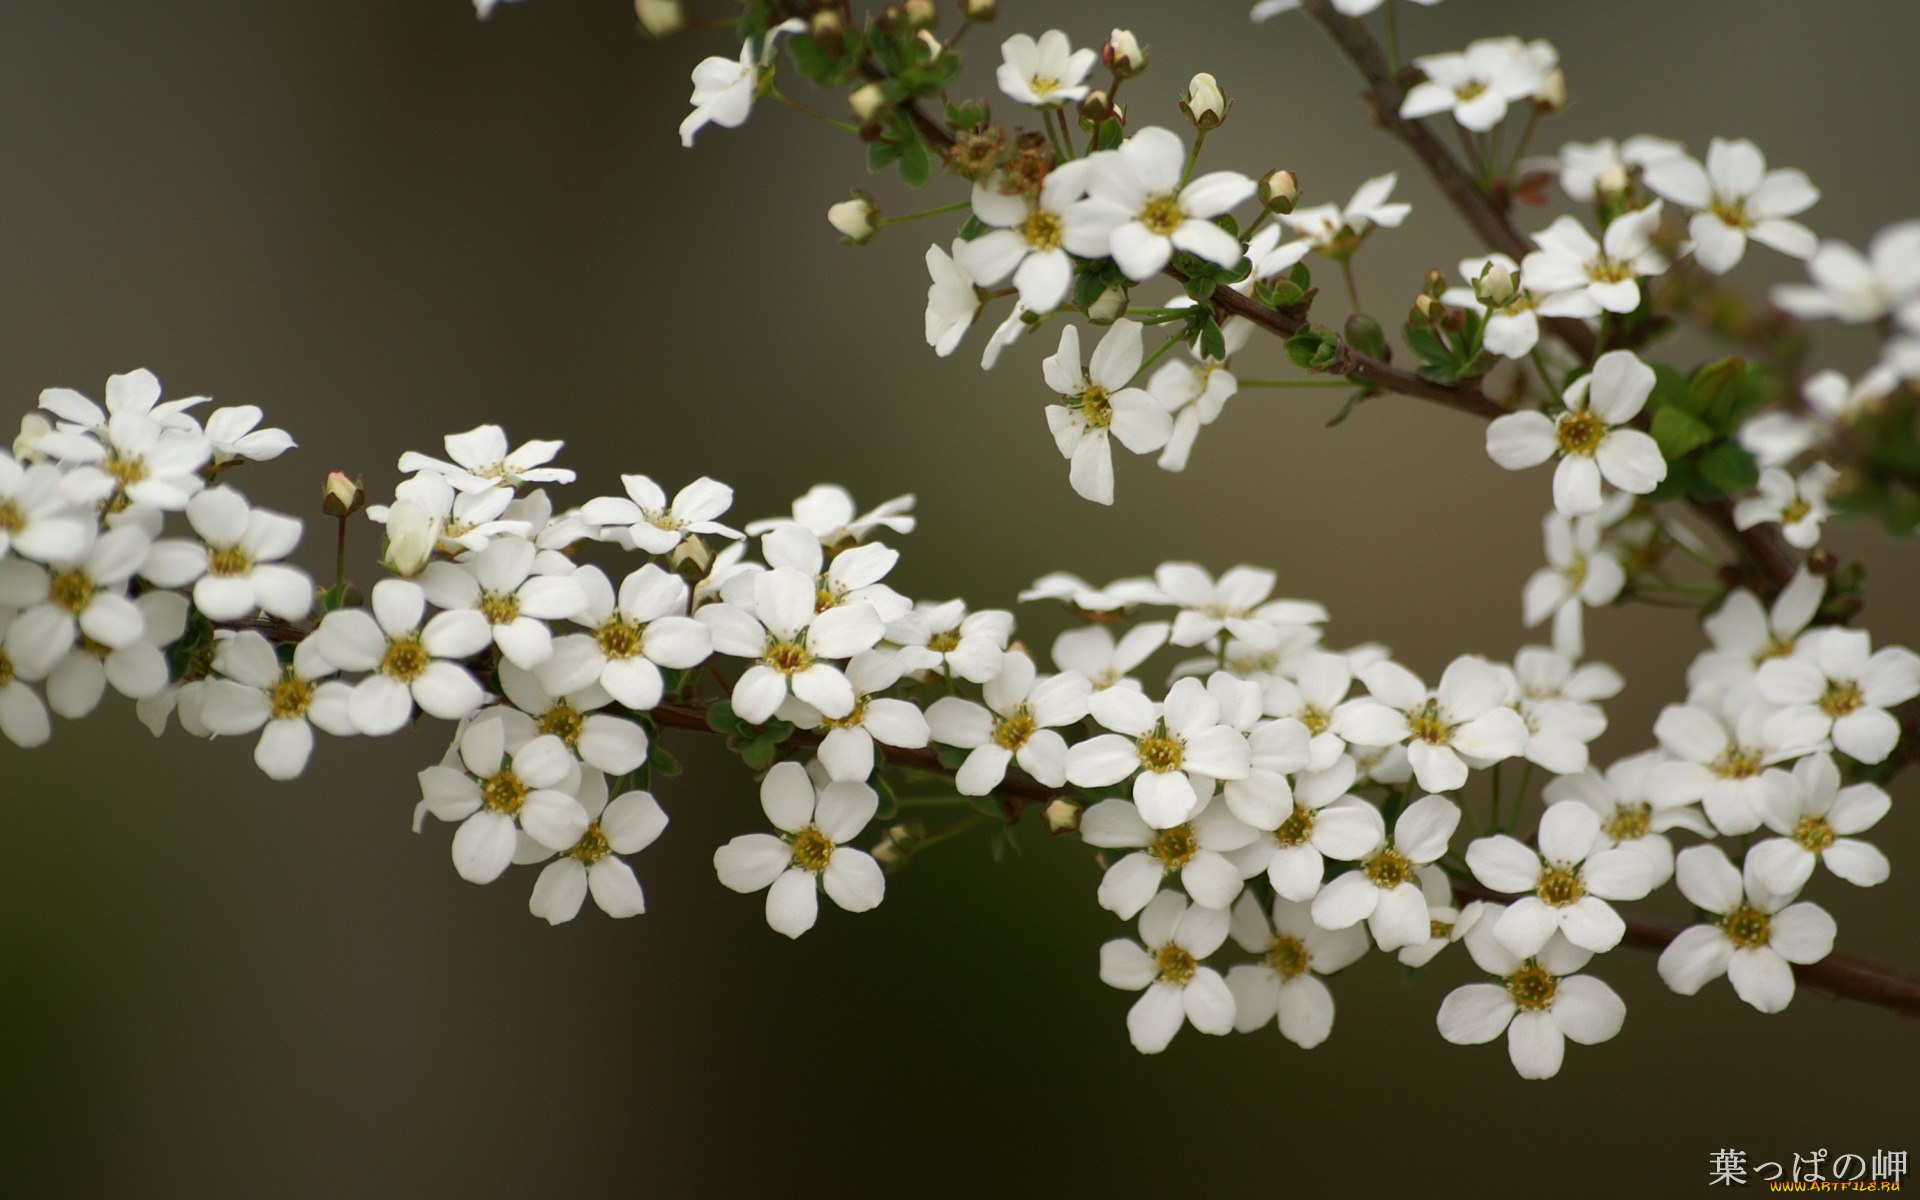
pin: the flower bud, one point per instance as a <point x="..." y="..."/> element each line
<point x="1614" y="179"/>
<point x="33" y="427"/>
<point x="920" y="14"/>
<point x="854" y="219"/>
<point x="1278" y="191"/>
<point x="411" y="537"/>
<point x="342" y="497"/>
<point x="1203" y="103"/>
<point x="979" y="10"/>
<point x="1123" y="54"/>
<point x="1496" y="286"/>
<point x="1063" y="816"/>
<point x="869" y="102"/>
<point x="1109" y="307"/>
<point x="1097" y="107"/>
<point x="1552" y="94"/>
<point x="827" y="30"/>
<point x="692" y="557"/>
<point x="1435" y="284"/>
<point x="1364" y="334"/>
<point x="1424" y="306"/>
<point x="660" y="17"/>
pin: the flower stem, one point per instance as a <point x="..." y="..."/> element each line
<point x="1353" y="289"/>
<point x="1295" y="383"/>
<point x="944" y="209"/>
<point x="1193" y="156"/>
<point x="1393" y="38"/>
<point x="1066" y="131"/>
<point x="816" y="114"/>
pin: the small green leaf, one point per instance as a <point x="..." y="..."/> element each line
<point x="969" y="115"/>
<point x="757" y="753"/>
<point x="1212" y="343"/>
<point x="1346" y="410"/>
<point x="989" y="805"/>
<point x="972" y="229"/>
<point x="1109" y="135"/>
<point x="1729" y="467"/>
<point x="720" y="718"/>
<point x="916" y="165"/>
<point x="1679" y="432"/>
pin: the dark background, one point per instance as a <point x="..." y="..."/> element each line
<point x="384" y="221"/>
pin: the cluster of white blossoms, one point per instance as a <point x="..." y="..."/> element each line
<point x="1256" y="787"/>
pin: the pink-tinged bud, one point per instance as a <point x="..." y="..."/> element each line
<point x="1123" y="54"/>
<point x="342" y="496"/>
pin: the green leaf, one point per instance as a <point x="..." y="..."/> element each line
<point x="1679" y="432"/>
<point x="951" y="756"/>
<point x="720" y="718"/>
<point x="661" y="762"/>
<point x="757" y="753"/>
<point x="1365" y="335"/>
<point x="889" y="799"/>
<point x="1108" y="135"/>
<point x="1313" y="350"/>
<point x="990" y="805"/>
<point x="916" y="164"/>
<point x="1212" y="343"/>
<point x="969" y="115"/>
<point x="1346" y="410"/>
<point x="880" y="154"/>
<point x="972" y="229"/>
<point x="1728" y="467"/>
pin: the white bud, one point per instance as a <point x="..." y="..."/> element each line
<point x="1614" y="178"/>
<point x="1552" y="93"/>
<point x="868" y="102"/>
<point x="1110" y="307"/>
<point x="1203" y="101"/>
<point x="1123" y="54"/>
<point x="1496" y="286"/>
<point x="660" y="17"/>
<point x="411" y="537"/>
<point x="853" y="218"/>
<point x="1063" y="816"/>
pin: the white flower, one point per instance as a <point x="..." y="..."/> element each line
<point x="1835" y="681"/>
<point x="1025" y="236"/>
<point x="1018" y="723"/>
<point x="1735" y="198"/>
<point x="1118" y="595"/>
<point x="1465" y="716"/>
<point x="1513" y="328"/>
<point x="1777" y="438"/>
<point x="1005" y="334"/>
<point x="131" y="450"/>
<point x="846" y="752"/>
<point x="1580" y="277"/>
<point x="1753" y="941"/>
<point x="1285" y="983"/>
<point x="1315" y="693"/>
<point x="827" y="512"/>
<point x="1196" y="390"/>
<point x="1722" y="768"/>
<point x="499" y="584"/>
<point x="1045" y="72"/>
<point x="411" y="663"/>
<point x="1195" y="851"/>
<point x="626" y="826"/>
<point x="1745" y="635"/>
<point x="506" y="779"/>
<point x="724" y="88"/>
<point x="1591" y="437"/>
<point x="1798" y="506"/>
<point x="1476" y="84"/>
<point x="1590" y="169"/>
<point x="234" y="567"/>
<point x="1571" y="877"/>
<point x="1815" y="818"/>
<point x="1178" y="989"/>
<point x="137" y="670"/>
<point x="1237" y="604"/>
<point x="481" y="461"/>
<point x="82" y="592"/>
<point x="1332" y="230"/>
<point x="428" y="515"/>
<point x="1539" y="1003"/>
<point x="634" y="634"/>
<point x="1855" y="288"/>
<point x="953" y="300"/>
<point x="603" y="741"/>
<point x="1138" y="210"/>
<point x="1267" y="9"/>
<point x="853" y="577"/>
<point x="287" y="699"/>
<point x="234" y="435"/>
<point x="1447" y="924"/>
<point x="1580" y="572"/>
<point x="647" y="522"/>
<point x="811" y="855"/>
<point x="1326" y="822"/>
<point x="948" y="639"/>
<point x="1100" y="401"/>
<point x="23" y="715"/>
<point x="1630" y="817"/>
<point x="35" y="521"/>
<point x="789" y="642"/>
<point x="1382" y="889"/>
<point x="1172" y="751"/>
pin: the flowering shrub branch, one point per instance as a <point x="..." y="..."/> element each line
<point x="1253" y="786"/>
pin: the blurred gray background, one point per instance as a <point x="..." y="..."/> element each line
<point x="384" y="221"/>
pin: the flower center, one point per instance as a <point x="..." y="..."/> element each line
<point x="1532" y="987"/>
<point x="1629" y="822"/>
<point x="618" y="637"/>
<point x="788" y="658"/>
<point x="1795" y="512"/>
<point x="1776" y="647"/>
<point x="1437" y="928"/>
<point x="1042" y="230"/>
<point x="944" y="642"/>
<point x="1389" y="868"/>
<point x="1162" y="215"/>
<point x="1043" y="86"/>
<point x="499" y="608"/>
<point x="1841" y="698"/>
<point x="563" y="721"/>
<point x="1471" y="90"/>
<point x="228" y="560"/>
<point x="1580" y="432"/>
<point x="71" y="590"/>
<point x="1175" y="847"/>
<point x="1288" y="956"/>
<point x="1737" y="763"/>
<point x="1315" y="719"/>
<point x="663" y="520"/>
<point x="6" y="669"/>
<point x="1175" y="965"/>
<point x="824" y="597"/>
<point x="11" y="519"/>
<point x="1012" y="732"/>
<point x="406" y="659"/>
<point x="812" y="850"/>
<point x="1605" y="270"/>
<point x="503" y="793"/>
<point x="1747" y="927"/>
<point x="1296" y="829"/>
<point x="1161" y="753"/>
<point x="1814" y="833"/>
<point x="852" y="720"/>
<point x="1576" y="572"/>
<point x="1561" y="886"/>
<point x="290" y="698"/>
<point x="1427" y="725"/>
<point x="126" y="471"/>
<point x="592" y="846"/>
<point x="1731" y="212"/>
<point x="1096" y="406"/>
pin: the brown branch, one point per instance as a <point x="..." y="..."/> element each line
<point x="1838" y="975"/>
